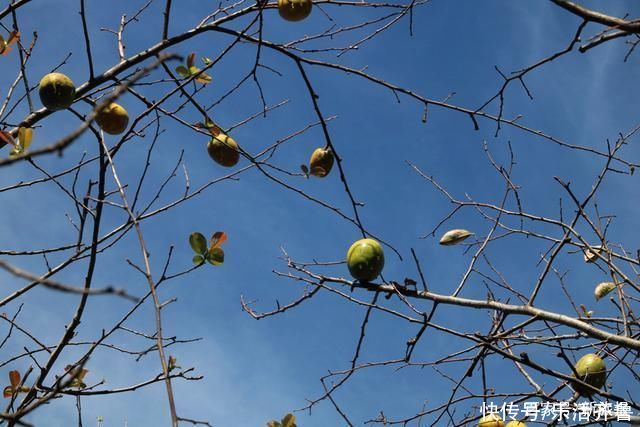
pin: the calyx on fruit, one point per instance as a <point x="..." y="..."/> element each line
<point x="294" y="10"/>
<point x="223" y="150"/>
<point x="592" y="370"/>
<point x="57" y="91"/>
<point x="491" y="420"/>
<point x="516" y="424"/>
<point x="453" y="237"/>
<point x="603" y="289"/>
<point x="365" y="259"/>
<point x="113" y="119"/>
<point x="321" y="162"/>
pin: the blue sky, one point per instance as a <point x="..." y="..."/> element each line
<point x="256" y="371"/>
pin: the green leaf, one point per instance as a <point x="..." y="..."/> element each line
<point x="182" y="70"/>
<point x="24" y="137"/>
<point x="206" y="60"/>
<point x="203" y="78"/>
<point x="198" y="243"/>
<point x="198" y="259"/>
<point x="215" y="256"/>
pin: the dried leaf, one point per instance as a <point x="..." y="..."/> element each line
<point x="453" y="237"/>
<point x="190" y="60"/>
<point x="7" y="138"/>
<point x="603" y="289"/>
<point x="591" y="254"/>
<point x="14" y="378"/>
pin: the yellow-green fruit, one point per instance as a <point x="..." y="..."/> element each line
<point x="113" y="119"/>
<point x="321" y="162"/>
<point x="294" y="10"/>
<point x="515" y="424"/>
<point x="365" y="259"/>
<point x="57" y="91"/>
<point x="592" y="370"/>
<point x="224" y="150"/>
<point x="491" y="420"/>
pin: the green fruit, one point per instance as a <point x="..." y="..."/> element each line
<point x="491" y="420"/>
<point x="57" y="91"/>
<point x="365" y="259"/>
<point x="592" y="370"/>
<point x="224" y="150"/>
<point x="321" y="162"/>
<point x="294" y="10"/>
<point x="113" y="119"/>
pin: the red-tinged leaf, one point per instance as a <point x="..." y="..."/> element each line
<point x="191" y="60"/>
<point x="13" y="37"/>
<point x="7" y="138"/>
<point x="14" y="378"/>
<point x="218" y="238"/>
<point x="8" y="391"/>
<point x="5" y="45"/>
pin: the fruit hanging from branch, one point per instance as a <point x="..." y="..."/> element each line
<point x="294" y="10"/>
<point x="113" y="119"/>
<point x="57" y="91"/>
<point x="224" y="150"/>
<point x="491" y="420"/>
<point x="365" y="260"/>
<point x="321" y="162"/>
<point x="592" y="370"/>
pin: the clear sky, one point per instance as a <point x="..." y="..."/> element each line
<point x="255" y="371"/>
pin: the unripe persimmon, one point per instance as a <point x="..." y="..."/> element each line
<point x="113" y="119"/>
<point x="592" y="370"/>
<point x="294" y="10"/>
<point x="491" y="420"/>
<point x="365" y="259"/>
<point x="224" y="150"/>
<point x="57" y="91"/>
<point x="321" y="162"/>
